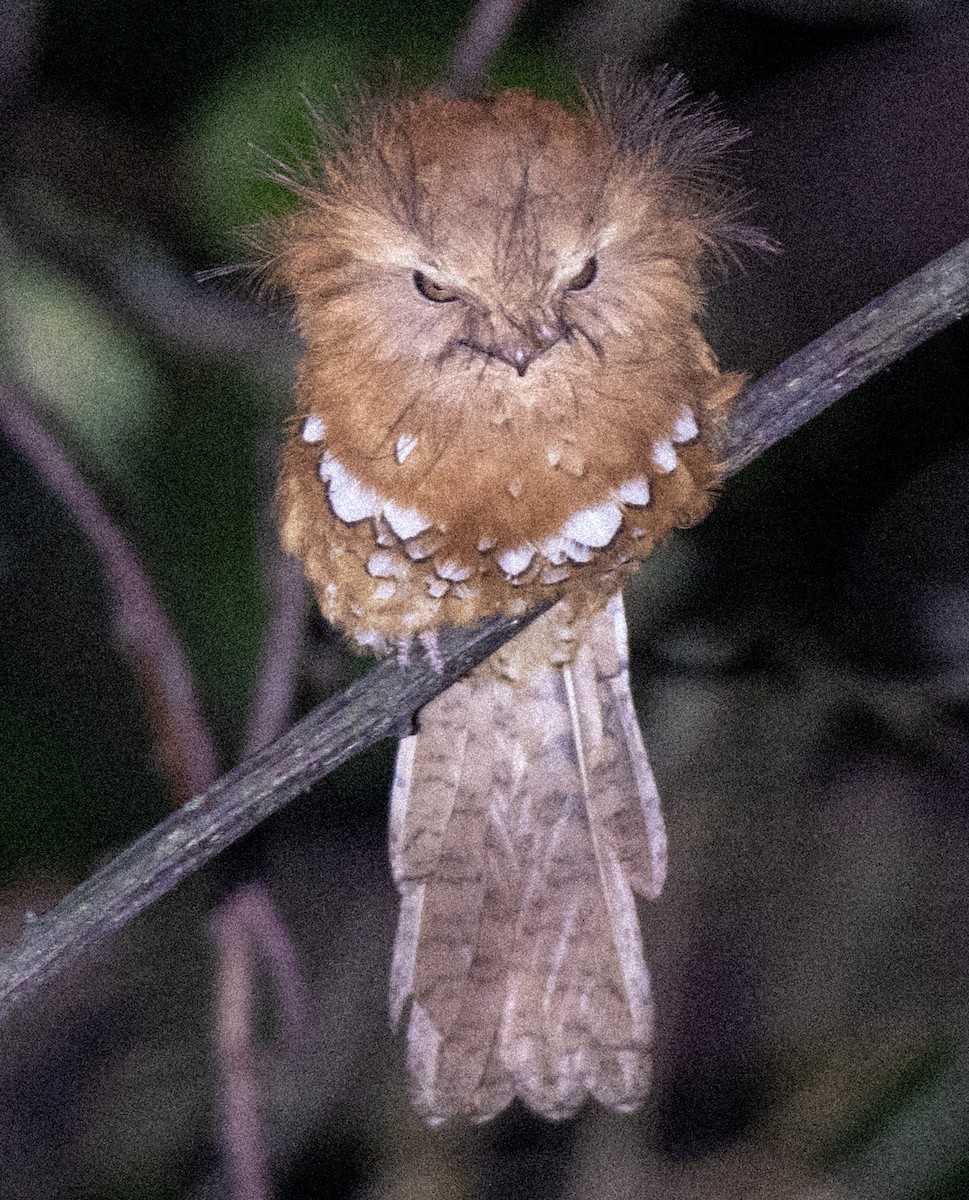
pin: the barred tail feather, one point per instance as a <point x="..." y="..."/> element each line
<point x="524" y="817"/>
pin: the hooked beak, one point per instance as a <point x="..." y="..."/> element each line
<point x="524" y="345"/>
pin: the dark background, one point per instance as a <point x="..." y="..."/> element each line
<point x="802" y="659"/>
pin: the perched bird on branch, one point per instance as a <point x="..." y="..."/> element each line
<point x="506" y="399"/>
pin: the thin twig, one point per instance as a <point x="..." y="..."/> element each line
<point x="487" y="27"/>
<point x="282" y="649"/>
<point x="243" y="1138"/>
<point x="246" y="922"/>
<point x="148" y="293"/>
<point x="272" y="942"/>
<point x="247" y="927"/>
<point x="186" y="751"/>
<point x="381" y="704"/>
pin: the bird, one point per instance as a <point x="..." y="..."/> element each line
<point x="505" y="400"/>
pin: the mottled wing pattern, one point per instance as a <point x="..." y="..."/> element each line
<point x="524" y="817"/>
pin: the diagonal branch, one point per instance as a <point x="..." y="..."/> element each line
<point x="842" y="359"/>
<point x="381" y="705"/>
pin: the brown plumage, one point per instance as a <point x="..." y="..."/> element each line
<point x="505" y="399"/>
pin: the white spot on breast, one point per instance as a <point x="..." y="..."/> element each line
<point x="349" y="498"/>
<point x="513" y="562"/>
<point x="437" y="587"/>
<point x="553" y="549"/>
<point x="331" y="589"/>
<point x="554" y="575"/>
<point x="464" y="592"/>
<point x="384" y="590"/>
<point x="634" y="491"/>
<point x="405" y="444"/>
<point x="577" y="551"/>
<point x="637" y="532"/>
<point x="558" y="551"/>
<point x="664" y="455"/>
<point x="517" y="607"/>
<point x="593" y="526"/>
<point x="515" y="488"/>
<point x="405" y="522"/>
<point x="314" y="430"/>
<point x="487" y="543"/>
<point x="383" y="565"/>
<point x="554" y="456"/>
<point x="370" y="638"/>
<point x="685" y="428"/>
<point x="452" y="570"/>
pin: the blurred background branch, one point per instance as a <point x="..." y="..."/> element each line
<point x="486" y="31"/>
<point x="186" y="751"/>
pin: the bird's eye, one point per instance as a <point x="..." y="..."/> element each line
<point x="431" y="290"/>
<point x="584" y="277"/>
